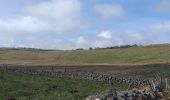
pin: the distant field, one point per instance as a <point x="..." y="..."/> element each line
<point x="135" y="55"/>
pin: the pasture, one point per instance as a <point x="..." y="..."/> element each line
<point x="135" y="62"/>
<point x="62" y="83"/>
<point x="124" y="56"/>
<point x="30" y="87"/>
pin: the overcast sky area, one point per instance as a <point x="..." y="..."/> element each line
<point x="70" y="24"/>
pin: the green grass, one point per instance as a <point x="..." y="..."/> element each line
<point x="29" y="87"/>
<point x="149" y="72"/>
<point x="137" y="55"/>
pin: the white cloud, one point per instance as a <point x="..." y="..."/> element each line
<point x="6" y="41"/>
<point x="114" y="39"/>
<point x="122" y="38"/>
<point x="54" y="16"/>
<point x="79" y="42"/>
<point x="103" y="43"/>
<point x="105" y="35"/>
<point x="46" y="18"/>
<point x="137" y="36"/>
<point x="154" y="33"/>
<point x="109" y="11"/>
<point x="56" y="9"/>
<point x="62" y="16"/>
<point x="163" y="6"/>
<point x="22" y="25"/>
<point x="82" y="42"/>
<point x="161" y="27"/>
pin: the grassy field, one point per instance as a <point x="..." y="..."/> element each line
<point x="151" y="71"/>
<point x="29" y="87"/>
<point x="135" y="55"/>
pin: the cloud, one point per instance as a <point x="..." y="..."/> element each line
<point x="56" y="9"/>
<point x="38" y="23"/>
<point x="109" y="11"/>
<point x="105" y="35"/>
<point x="22" y="25"/>
<point x="83" y="42"/>
<point x="46" y="18"/>
<point x="161" y="27"/>
<point x="62" y="16"/>
<point x="154" y="33"/>
<point x="122" y="38"/>
<point x="63" y="44"/>
<point x="49" y="17"/>
<point x="6" y="41"/>
<point x="163" y="6"/>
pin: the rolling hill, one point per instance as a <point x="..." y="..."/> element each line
<point x="153" y="54"/>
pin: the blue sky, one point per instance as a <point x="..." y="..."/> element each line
<point x="70" y="24"/>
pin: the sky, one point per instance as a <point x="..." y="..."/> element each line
<point x="71" y="24"/>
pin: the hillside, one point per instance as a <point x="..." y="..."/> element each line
<point x="135" y="55"/>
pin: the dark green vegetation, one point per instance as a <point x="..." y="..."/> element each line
<point x="149" y="71"/>
<point x="30" y="87"/>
